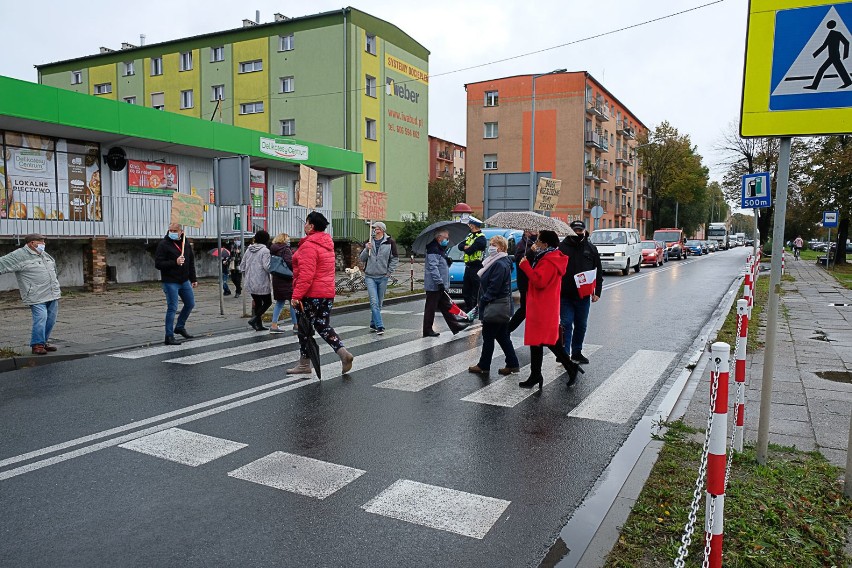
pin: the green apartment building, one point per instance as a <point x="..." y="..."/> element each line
<point x="342" y="78"/>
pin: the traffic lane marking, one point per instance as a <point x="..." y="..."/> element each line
<point x="439" y="508"/>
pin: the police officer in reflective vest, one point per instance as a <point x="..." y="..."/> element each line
<point x="474" y="250"/>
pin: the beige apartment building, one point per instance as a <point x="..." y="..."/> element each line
<point x="584" y="136"/>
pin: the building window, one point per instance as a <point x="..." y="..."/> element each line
<point x="103" y="88"/>
<point x="370" y="129"/>
<point x="186" y="99"/>
<point x="370" y="87"/>
<point x="218" y="93"/>
<point x="251" y="108"/>
<point x="76" y="77"/>
<point x="371" y="44"/>
<point x="156" y="66"/>
<point x="217" y="54"/>
<point x="186" y="61"/>
<point x="286" y="43"/>
<point x="491" y="98"/>
<point x="251" y="66"/>
<point x="490" y="162"/>
<point x="288" y="127"/>
<point x="370" y="171"/>
<point x="490" y="130"/>
<point x="288" y="84"/>
<point x="130" y="100"/>
<point x="158" y="101"/>
<point x="128" y="68"/>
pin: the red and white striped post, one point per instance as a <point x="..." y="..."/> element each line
<point x="747" y="286"/>
<point x="717" y="455"/>
<point x="783" y="266"/>
<point x="740" y="373"/>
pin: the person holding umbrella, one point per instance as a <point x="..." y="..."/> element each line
<point x="313" y="293"/>
<point x="544" y="271"/>
<point x="474" y="251"/>
<point x="436" y="280"/>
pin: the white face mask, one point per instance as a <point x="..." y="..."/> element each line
<point x="40" y="247"/>
<point x="492" y="249"/>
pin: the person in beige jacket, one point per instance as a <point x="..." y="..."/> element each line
<point x="39" y="287"/>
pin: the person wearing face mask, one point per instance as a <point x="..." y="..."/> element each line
<point x="582" y="256"/>
<point x="38" y="283"/>
<point x="380" y="258"/>
<point x="176" y="263"/>
<point x="521" y="249"/>
<point x="436" y="280"/>
<point x="473" y="247"/>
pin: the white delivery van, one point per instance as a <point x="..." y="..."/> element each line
<point x="620" y="249"/>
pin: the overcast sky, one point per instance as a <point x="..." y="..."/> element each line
<point x="686" y="69"/>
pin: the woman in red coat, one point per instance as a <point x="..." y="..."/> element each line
<point x="544" y="266"/>
<point x="313" y="290"/>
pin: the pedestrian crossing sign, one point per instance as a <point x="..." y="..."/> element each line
<point x="798" y="69"/>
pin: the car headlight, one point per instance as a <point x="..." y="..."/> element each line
<point x="619" y="254"/>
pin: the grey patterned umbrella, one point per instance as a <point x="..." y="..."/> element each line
<point x="529" y="221"/>
<point x="457" y="232"/>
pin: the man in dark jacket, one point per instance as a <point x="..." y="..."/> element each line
<point x="473" y="247"/>
<point x="176" y="263"/>
<point x="573" y="310"/>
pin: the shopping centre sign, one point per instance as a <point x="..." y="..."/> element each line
<point x="283" y="149"/>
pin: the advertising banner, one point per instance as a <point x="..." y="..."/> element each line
<point x="548" y="194"/>
<point x="257" y="186"/>
<point x="279" y="198"/>
<point x="151" y="178"/>
<point x="188" y="210"/>
<point x="31" y="179"/>
<point x="372" y="205"/>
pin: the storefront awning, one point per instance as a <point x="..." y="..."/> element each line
<point x="49" y="111"/>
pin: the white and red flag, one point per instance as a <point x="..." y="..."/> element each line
<point x="586" y="282"/>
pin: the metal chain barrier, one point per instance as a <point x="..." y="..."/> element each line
<point x="708" y="536"/>
<point x="686" y="539"/>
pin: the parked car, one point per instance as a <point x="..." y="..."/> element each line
<point x="695" y="247"/>
<point x="620" y="249"/>
<point x="712" y="246"/>
<point x="653" y="253"/>
<point x="513" y="236"/>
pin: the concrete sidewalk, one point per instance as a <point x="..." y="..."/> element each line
<point x="131" y="315"/>
<point x="814" y="337"/>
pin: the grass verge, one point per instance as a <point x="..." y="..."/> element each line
<point x="728" y="331"/>
<point x="8" y="353"/>
<point x="790" y="512"/>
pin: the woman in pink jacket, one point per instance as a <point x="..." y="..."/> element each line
<point x="313" y="290"/>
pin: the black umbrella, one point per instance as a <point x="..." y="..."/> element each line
<point x="457" y="230"/>
<point x="306" y="334"/>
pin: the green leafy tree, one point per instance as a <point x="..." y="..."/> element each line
<point x="830" y="186"/>
<point x="409" y="232"/>
<point x="444" y="194"/>
<point x="676" y="177"/>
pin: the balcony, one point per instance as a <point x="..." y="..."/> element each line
<point x="603" y="176"/>
<point x="592" y="172"/>
<point x="621" y="182"/>
<point x="596" y="108"/>
<point x="624" y="130"/>
<point x="445" y="155"/>
<point x="622" y="156"/>
<point x="596" y="140"/>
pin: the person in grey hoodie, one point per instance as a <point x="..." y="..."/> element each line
<point x="35" y="271"/>
<point x="380" y="259"/>
<point x="256" y="280"/>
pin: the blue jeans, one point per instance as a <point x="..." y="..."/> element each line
<point x="44" y="316"/>
<point x="376" y="288"/>
<point x="225" y="281"/>
<point x="574" y="318"/>
<point x="279" y="306"/>
<point x="174" y="291"/>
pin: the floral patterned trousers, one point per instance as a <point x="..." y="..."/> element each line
<point x="318" y="313"/>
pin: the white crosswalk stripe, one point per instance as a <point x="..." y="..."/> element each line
<point x="291" y="356"/>
<point x="249" y="348"/>
<point x="432" y="374"/>
<point x="298" y="474"/>
<point x="396" y="312"/>
<point x="192" y="344"/>
<point x="620" y="395"/>
<point x="506" y="392"/>
<point x="183" y="446"/>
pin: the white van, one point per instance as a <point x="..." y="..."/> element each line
<point x="619" y="249"/>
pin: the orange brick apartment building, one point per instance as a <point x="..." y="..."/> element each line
<point x="583" y="135"/>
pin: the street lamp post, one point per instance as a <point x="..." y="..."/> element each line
<point x="532" y="135"/>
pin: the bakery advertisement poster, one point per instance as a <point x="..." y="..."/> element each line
<point x="151" y="178"/>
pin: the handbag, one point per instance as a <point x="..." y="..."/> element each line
<point x="497" y="311"/>
<point x="278" y="267"/>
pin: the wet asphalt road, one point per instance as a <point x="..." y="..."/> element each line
<point x="72" y="497"/>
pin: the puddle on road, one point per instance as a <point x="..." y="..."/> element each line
<point x="836" y="376"/>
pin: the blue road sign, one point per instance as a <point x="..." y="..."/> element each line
<point x="755" y="191"/>
<point x="830" y="219"/>
<point x="810" y="58"/>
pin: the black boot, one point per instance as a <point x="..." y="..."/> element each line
<point x="536" y="357"/>
<point x="531" y="382"/>
<point x="170" y="340"/>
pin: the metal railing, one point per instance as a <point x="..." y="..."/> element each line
<point x="146" y="217"/>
